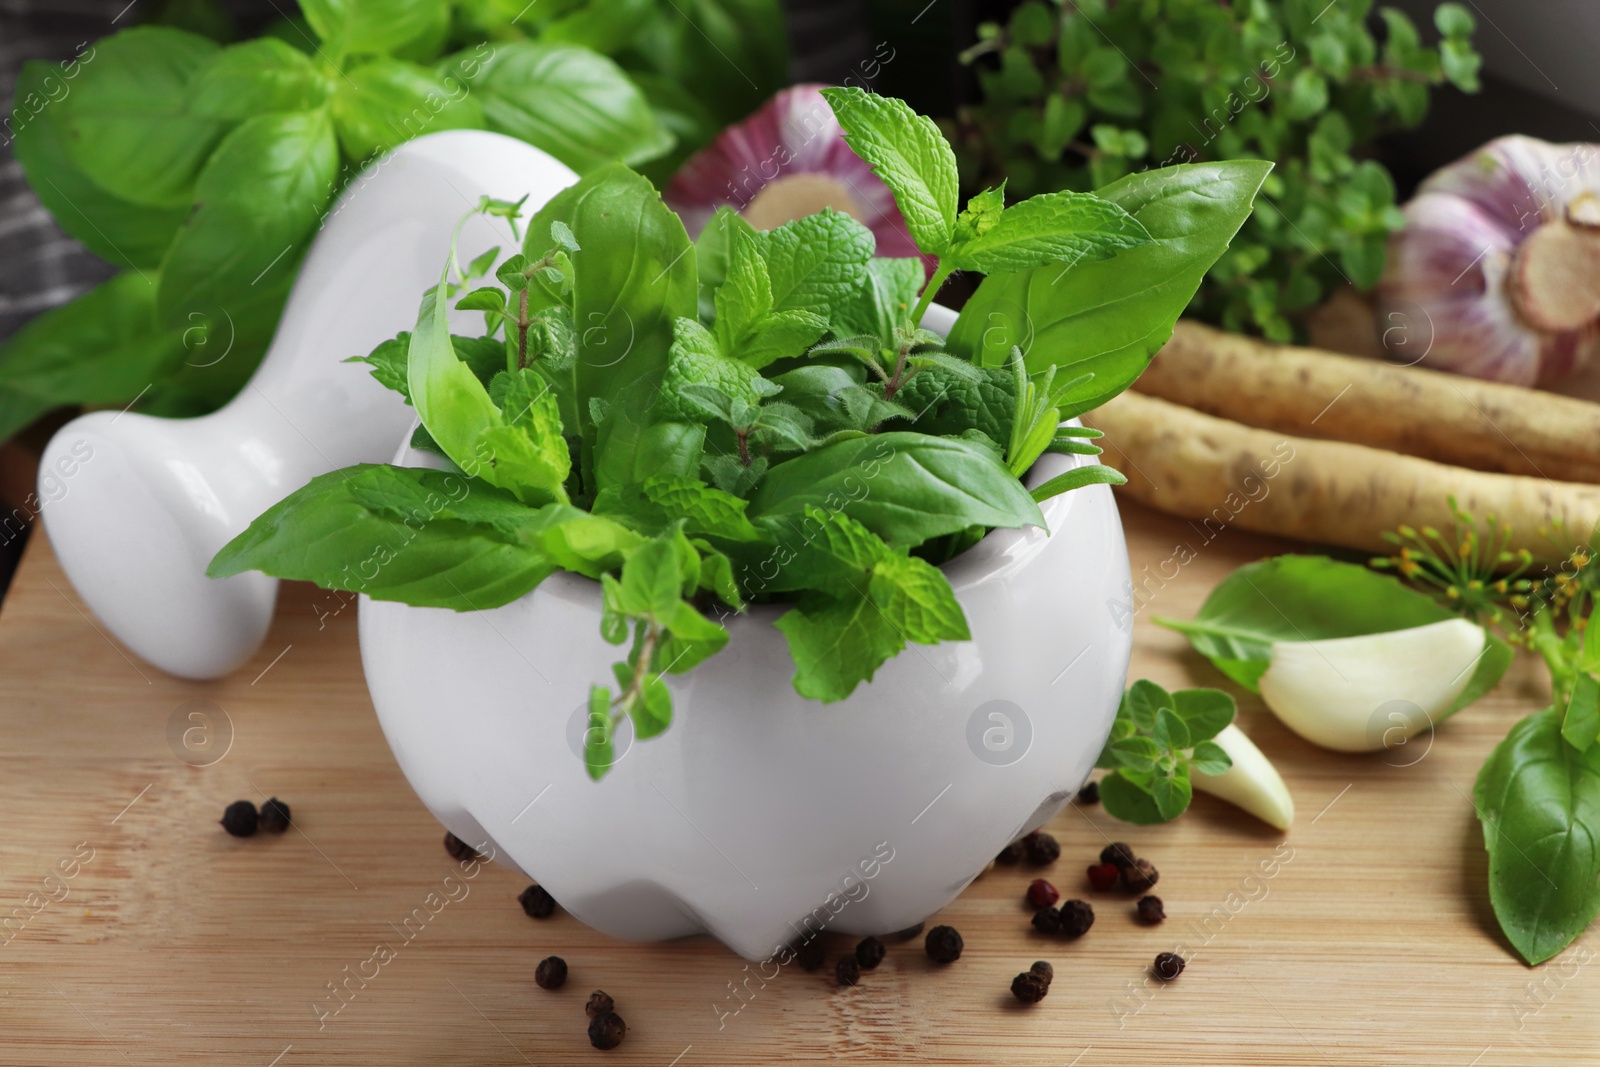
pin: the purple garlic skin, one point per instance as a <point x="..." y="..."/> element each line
<point x="1464" y="283"/>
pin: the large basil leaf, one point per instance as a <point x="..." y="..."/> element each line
<point x="368" y="26"/>
<point x="1311" y="598"/>
<point x="428" y="538"/>
<point x="261" y="75"/>
<point x="386" y="102"/>
<point x="1539" y="801"/>
<point x="117" y="230"/>
<point x="261" y="196"/>
<point x="573" y="103"/>
<point x="1109" y="317"/>
<point x="904" y="487"/>
<point x="634" y="276"/>
<point x="129" y="121"/>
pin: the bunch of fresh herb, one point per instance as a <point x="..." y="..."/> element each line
<point x="1158" y="742"/>
<point x="206" y="170"/>
<point x="757" y="416"/>
<point x="1077" y="94"/>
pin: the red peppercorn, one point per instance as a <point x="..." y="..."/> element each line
<point x="847" y="971"/>
<point x="869" y="953"/>
<point x="1150" y="910"/>
<point x="943" y="944"/>
<point x="1029" y="987"/>
<point x="1104" y="876"/>
<point x="607" y="1031"/>
<point x="599" y="1003"/>
<point x="1041" y="894"/>
<point x="551" y="973"/>
<point x="1040" y="848"/>
<point x="1168" y="966"/>
<point x="1076" y="918"/>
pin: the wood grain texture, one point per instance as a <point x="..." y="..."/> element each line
<point x="1370" y="941"/>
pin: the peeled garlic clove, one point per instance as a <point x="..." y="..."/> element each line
<point x="1361" y="694"/>
<point x="1496" y="272"/>
<point x="1252" y="783"/>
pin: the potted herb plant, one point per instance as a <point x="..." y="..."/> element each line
<point x="719" y="487"/>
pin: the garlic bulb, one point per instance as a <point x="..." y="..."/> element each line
<point x="1496" y="273"/>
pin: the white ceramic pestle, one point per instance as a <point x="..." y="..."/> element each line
<point x="135" y="506"/>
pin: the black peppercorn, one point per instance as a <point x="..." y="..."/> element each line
<point x="943" y="944"/>
<point x="1040" y="848"/>
<point x="1141" y="877"/>
<point x="1168" y="966"/>
<point x="1076" y="917"/>
<point x="459" y="849"/>
<point x="1118" y="855"/>
<point x="274" y="816"/>
<point x="600" y="1003"/>
<point x="1012" y="853"/>
<point x="1150" y="910"/>
<point x="551" y="973"/>
<point x="847" y="971"/>
<point x="239" y="818"/>
<point x="1089" y="794"/>
<point x="1043" y="970"/>
<point x="1047" y="920"/>
<point x="908" y="933"/>
<point x="1029" y="988"/>
<point x="810" y="954"/>
<point x="607" y="1031"/>
<point x="869" y="953"/>
<point x="537" y="902"/>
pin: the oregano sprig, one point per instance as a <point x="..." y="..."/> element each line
<point x="1158" y="742"/>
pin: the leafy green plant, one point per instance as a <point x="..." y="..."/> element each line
<point x="758" y="417"/>
<point x="1158" y="742"/>
<point x="204" y="171"/>
<point x="1078" y="94"/>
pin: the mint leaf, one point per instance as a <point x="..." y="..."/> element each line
<point x="910" y="155"/>
<point x="885" y="303"/>
<point x="837" y="644"/>
<point x="652" y="578"/>
<point x="702" y="383"/>
<point x="745" y="295"/>
<point x="1062" y="227"/>
<point x="690" y="639"/>
<point x="705" y="511"/>
<point x="916" y="597"/>
<point x="713" y="250"/>
<point x="818" y="262"/>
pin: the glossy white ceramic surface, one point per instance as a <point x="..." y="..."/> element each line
<point x="760" y="815"/>
<point x="135" y="506"/>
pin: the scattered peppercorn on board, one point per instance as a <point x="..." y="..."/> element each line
<point x="134" y="930"/>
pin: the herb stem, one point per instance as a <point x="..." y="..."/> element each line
<point x="522" y="328"/>
<point x="940" y="273"/>
<point x="647" y="652"/>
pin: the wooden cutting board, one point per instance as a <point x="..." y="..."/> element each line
<point x="1364" y="936"/>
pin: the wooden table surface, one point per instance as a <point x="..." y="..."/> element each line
<point x="1363" y="937"/>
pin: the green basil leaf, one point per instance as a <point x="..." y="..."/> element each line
<point x="117" y="230"/>
<point x="103" y="348"/>
<point x="387" y="102"/>
<point x="904" y="487"/>
<point x="368" y="26"/>
<point x="130" y="122"/>
<point x="1581" y="723"/>
<point x="1300" y="598"/>
<point x="261" y="197"/>
<point x="344" y="530"/>
<point x="244" y="80"/>
<point x="729" y="56"/>
<point x="607" y="26"/>
<point x="1539" y="801"/>
<point x="912" y="157"/>
<point x="1063" y="227"/>
<point x="573" y="103"/>
<point x="1109" y="317"/>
